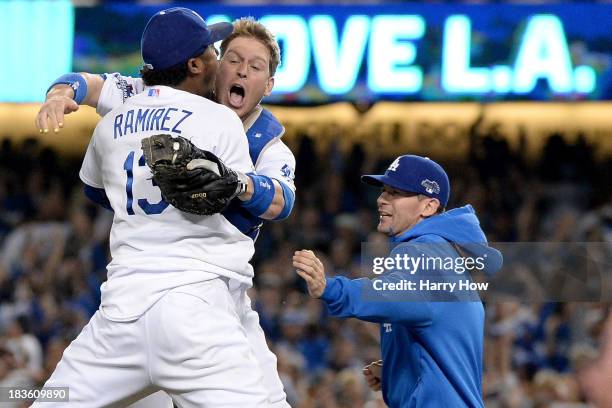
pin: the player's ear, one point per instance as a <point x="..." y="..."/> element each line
<point x="195" y="66"/>
<point x="269" y="86"/>
<point x="431" y="207"/>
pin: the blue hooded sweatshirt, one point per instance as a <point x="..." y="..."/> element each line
<point x="432" y="351"/>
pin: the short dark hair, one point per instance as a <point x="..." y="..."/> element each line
<point x="170" y="76"/>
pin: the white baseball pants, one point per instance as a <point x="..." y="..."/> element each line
<point x="266" y="359"/>
<point x="190" y="344"/>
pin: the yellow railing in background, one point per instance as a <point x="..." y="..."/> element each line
<point x="440" y="129"/>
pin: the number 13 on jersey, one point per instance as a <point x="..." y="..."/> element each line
<point x="143" y="203"/>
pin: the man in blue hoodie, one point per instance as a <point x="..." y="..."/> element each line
<point x="432" y="351"/>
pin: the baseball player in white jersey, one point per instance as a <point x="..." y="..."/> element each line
<point x="167" y="320"/>
<point x="250" y="56"/>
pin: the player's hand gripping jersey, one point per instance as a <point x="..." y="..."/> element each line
<point x="271" y="157"/>
<point x="154" y="246"/>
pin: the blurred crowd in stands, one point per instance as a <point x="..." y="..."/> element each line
<point x="54" y="249"/>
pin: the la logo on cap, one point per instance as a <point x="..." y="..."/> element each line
<point x="394" y="165"/>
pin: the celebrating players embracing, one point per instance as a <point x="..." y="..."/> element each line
<point x="249" y="58"/>
<point x="169" y="269"/>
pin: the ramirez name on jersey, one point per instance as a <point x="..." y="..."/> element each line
<point x="141" y="120"/>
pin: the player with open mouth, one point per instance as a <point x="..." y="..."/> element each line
<point x="243" y="76"/>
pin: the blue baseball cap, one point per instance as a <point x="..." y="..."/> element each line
<point x="415" y="174"/>
<point x="174" y="35"/>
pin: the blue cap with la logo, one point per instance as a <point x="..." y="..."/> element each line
<point x="175" y="35"/>
<point x="414" y="174"/>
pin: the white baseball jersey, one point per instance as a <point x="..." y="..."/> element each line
<point x="154" y="246"/>
<point x="275" y="160"/>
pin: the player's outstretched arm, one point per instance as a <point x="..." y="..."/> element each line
<point x="358" y="297"/>
<point x="268" y="198"/>
<point x="271" y="192"/>
<point x="282" y="203"/>
<point x="64" y="97"/>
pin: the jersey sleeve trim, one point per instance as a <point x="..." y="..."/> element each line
<point x="98" y="196"/>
